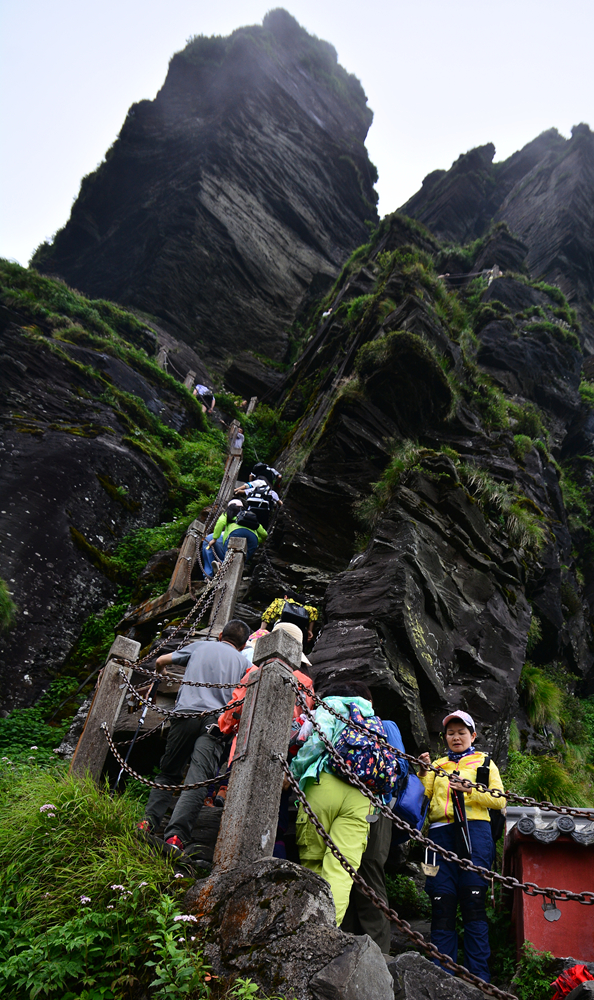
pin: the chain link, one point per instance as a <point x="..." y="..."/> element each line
<point x="183" y="715"/>
<point x="206" y="598"/>
<point x="439" y="771"/>
<point x="403" y="925"/>
<point x="530" y="888"/>
<point x="155" y="784"/>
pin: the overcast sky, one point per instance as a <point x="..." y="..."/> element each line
<point x="440" y="76"/>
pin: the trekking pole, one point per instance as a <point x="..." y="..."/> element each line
<point x="141" y="720"/>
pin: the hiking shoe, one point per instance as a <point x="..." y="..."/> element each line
<point x="175" y="842"/>
<point x="222" y="795"/>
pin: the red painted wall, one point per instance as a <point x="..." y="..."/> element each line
<point x="562" y="865"/>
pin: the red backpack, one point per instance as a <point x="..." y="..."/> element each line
<point x="569" y="979"/>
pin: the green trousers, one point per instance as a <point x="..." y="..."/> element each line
<point x="342" y="811"/>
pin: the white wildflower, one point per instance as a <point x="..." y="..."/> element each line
<point x="187" y="918"/>
<point x="48" y="805"/>
<point x="118" y="887"/>
<point x="85" y="899"/>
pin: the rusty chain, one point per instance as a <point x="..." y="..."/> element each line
<point x="586" y="897"/>
<point x="182" y="715"/>
<point x="391" y="914"/>
<point x="206" y="598"/>
<point x="143" y="736"/>
<point x="155" y="784"/>
<point x="199" y="684"/>
<point x="440" y="772"/>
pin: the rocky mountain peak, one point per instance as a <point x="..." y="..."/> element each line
<point x="230" y="198"/>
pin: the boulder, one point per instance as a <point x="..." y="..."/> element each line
<point x="274" y="921"/>
<point x="415" y="978"/>
<point x="249" y="377"/>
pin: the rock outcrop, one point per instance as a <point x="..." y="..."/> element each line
<point x="544" y="192"/>
<point x="415" y="978"/>
<point x="433" y="605"/>
<point x="232" y="199"/>
<point x="79" y="470"/>
<point x="275" y="921"/>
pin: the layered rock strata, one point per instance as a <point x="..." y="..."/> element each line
<point x="231" y="199"/>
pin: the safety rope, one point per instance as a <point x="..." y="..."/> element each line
<point x="531" y="888"/>
<point x="391" y="914"/>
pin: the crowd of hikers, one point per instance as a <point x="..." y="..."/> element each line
<point x="247" y="516"/>
<point x="460" y="818"/>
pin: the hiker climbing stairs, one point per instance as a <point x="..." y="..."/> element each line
<point x="114" y="702"/>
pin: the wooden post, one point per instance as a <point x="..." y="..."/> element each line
<point x="250" y="817"/>
<point x="162" y="358"/>
<point x="232" y="433"/>
<point x="251" y="406"/>
<point x="91" y="750"/>
<point x="223" y="612"/>
<point x="189" y="379"/>
<point x="180" y="579"/>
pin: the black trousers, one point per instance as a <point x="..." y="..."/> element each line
<point x="362" y="917"/>
<point x="187" y="740"/>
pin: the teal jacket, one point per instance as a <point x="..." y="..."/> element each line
<point x="313" y="756"/>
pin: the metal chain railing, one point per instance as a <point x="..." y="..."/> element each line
<point x="530" y="888"/>
<point x="440" y="772"/>
<point x="181" y="715"/>
<point x="391" y="914"/>
<point x="144" y="736"/>
<point x="155" y="784"/>
<point x="205" y="599"/>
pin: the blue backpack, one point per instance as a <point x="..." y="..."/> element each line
<point x="411" y="805"/>
<point x="369" y="759"/>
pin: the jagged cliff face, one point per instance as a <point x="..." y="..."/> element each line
<point x="545" y="193"/>
<point x="88" y="421"/>
<point x="461" y="404"/>
<point x="233" y="197"/>
<point x="439" y="467"/>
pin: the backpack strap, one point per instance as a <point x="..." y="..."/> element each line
<point x="483" y="772"/>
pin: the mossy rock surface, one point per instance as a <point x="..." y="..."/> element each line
<point x="402" y="377"/>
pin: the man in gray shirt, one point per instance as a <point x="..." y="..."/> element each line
<point x="196" y="738"/>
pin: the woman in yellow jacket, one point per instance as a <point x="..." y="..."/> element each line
<point x="459" y="821"/>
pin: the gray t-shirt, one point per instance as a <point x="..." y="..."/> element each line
<point x="215" y="662"/>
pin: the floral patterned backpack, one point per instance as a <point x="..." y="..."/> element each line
<point x="364" y="755"/>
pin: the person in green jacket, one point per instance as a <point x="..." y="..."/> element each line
<point x="215" y="544"/>
<point x="341" y="808"/>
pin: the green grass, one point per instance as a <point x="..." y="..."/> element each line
<point x="8" y="608"/>
<point x="25" y="734"/>
<point x="541" y="697"/>
<point x="88" y="910"/>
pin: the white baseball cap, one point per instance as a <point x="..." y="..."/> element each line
<point x="464" y="716"/>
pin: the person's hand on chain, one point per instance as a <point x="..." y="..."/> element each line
<point x="425" y="759"/>
<point x="460" y="784"/>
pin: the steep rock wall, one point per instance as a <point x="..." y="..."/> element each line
<point x="545" y="192"/>
<point x="468" y="533"/>
<point x="79" y="469"/>
<point x="233" y="196"/>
